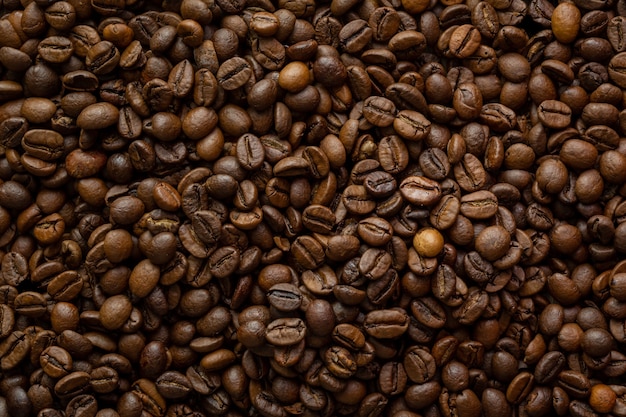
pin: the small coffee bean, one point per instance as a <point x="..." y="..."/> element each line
<point x="428" y="242"/>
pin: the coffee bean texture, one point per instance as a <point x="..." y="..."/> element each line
<point x="298" y="208"/>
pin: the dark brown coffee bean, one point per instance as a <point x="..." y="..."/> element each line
<point x="479" y="205"/>
<point x="445" y="213"/>
<point x="473" y="307"/>
<point x="574" y="383"/>
<point x="284" y="332"/>
<point x="266" y="402"/>
<point x="143" y="278"/>
<point x="411" y="125"/>
<point x="250" y="152"/>
<point x="318" y="219"/>
<point x="386" y="324"/>
<point x="420" y="190"/>
<point x="217" y="360"/>
<point x="115" y="311"/>
<point x="14" y="268"/>
<point x="549" y="366"/>
<point x="423" y="395"/>
<point x="406" y="96"/>
<point x="147" y="392"/>
<point x="104" y="379"/>
<point x="284" y="297"/>
<point x="464" y="41"/>
<point x="14" y="59"/>
<point x="56" y="362"/>
<point x="320" y="281"/>
<point x="379" y="111"/>
<point x="152" y="360"/>
<point x="374" y="263"/>
<point x="340" y="362"/>
<point x="102" y="58"/>
<point x="30" y="303"/>
<point x="224" y="261"/>
<point x="73" y="384"/>
<point x="320" y="318"/>
<point x="470" y="173"/>
<point x="82" y="405"/>
<point x="375" y="231"/>
<point x="554" y="114"/>
<point x="164" y="167"/>
<point x="307" y="252"/>
<point x="520" y="387"/>
<point x="428" y="312"/>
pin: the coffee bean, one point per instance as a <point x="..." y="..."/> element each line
<point x="104" y="379"/>
<point x="399" y="208"/>
<point x="602" y="397"/>
<point x="387" y="324"/>
<point x="14" y="268"/>
<point x="173" y="385"/>
<point x="470" y="173"/>
<point x="464" y="41"/>
<point x="294" y="77"/>
<point x="115" y="311"/>
<point x="479" y="205"/>
<point x="406" y="96"/>
<point x="56" y="362"/>
<point x="284" y="297"/>
<point x="520" y="387"/>
<point x="566" y="23"/>
<point x="375" y="231"/>
<point x="554" y="114"/>
<point x="143" y="278"/>
<point x="72" y="384"/>
<point x="285" y="332"/>
<point x="420" y="190"/>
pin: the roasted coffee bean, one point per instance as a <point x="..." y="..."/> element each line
<point x="14" y="268"/>
<point x="307" y="252"/>
<point x="375" y="231"/>
<point x="318" y="219"/>
<point x="554" y="114"/>
<point x="320" y="281"/>
<point x="73" y="384"/>
<point x="284" y="297"/>
<point x="82" y="405"/>
<point x="479" y="205"/>
<point x="115" y="311"/>
<point x="388" y="324"/>
<point x="355" y="35"/>
<point x="464" y="41"/>
<point x="420" y="190"/>
<point x="411" y="125"/>
<point x="56" y="361"/>
<point x="250" y="152"/>
<point x="380" y="184"/>
<point x="104" y="379"/>
<point x="574" y="383"/>
<point x="285" y="332"/>
<point x="566" y="22"/>
<point x="520" y="387"/>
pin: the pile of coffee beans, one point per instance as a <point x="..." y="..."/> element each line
<point x="276" y="208"/>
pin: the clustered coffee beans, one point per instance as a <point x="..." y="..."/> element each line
<point x="240" y="208"/>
